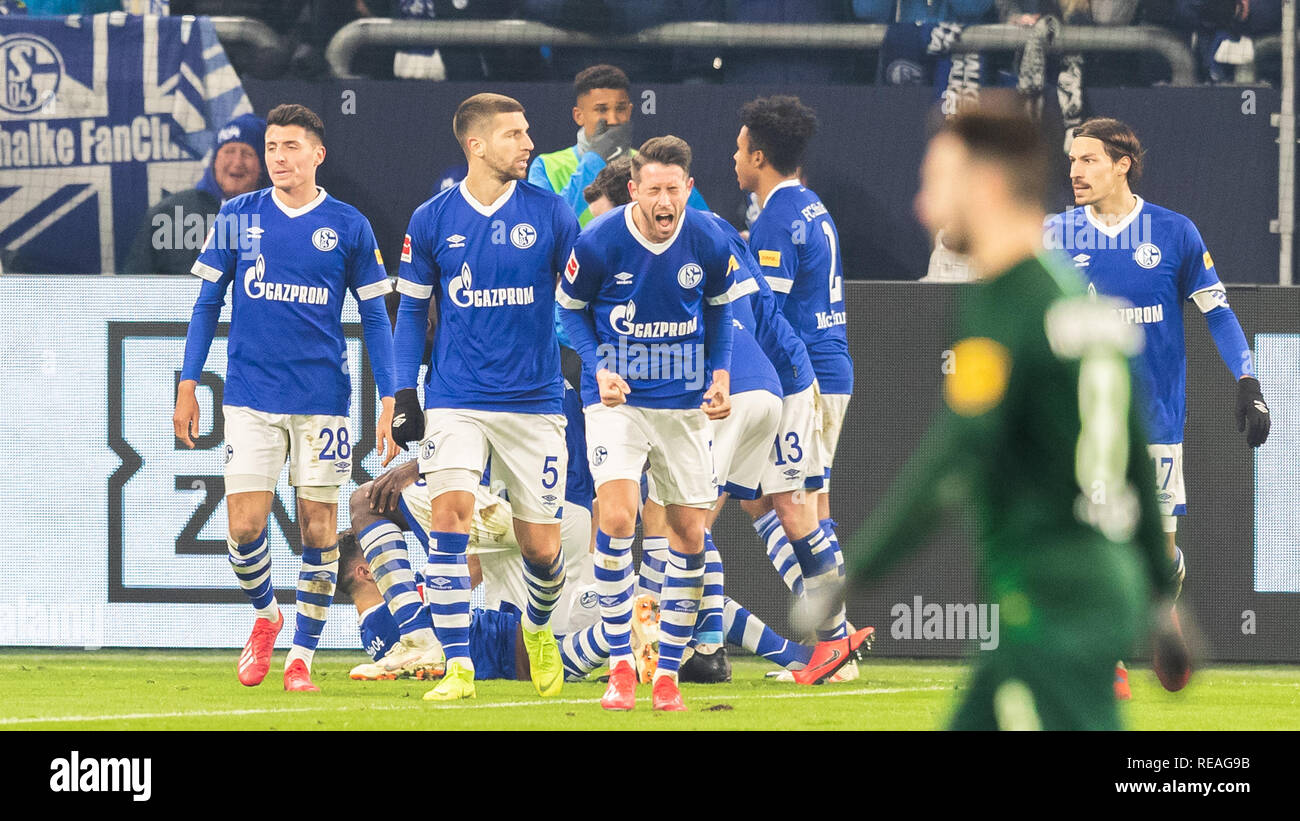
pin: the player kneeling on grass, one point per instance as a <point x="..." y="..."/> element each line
<point x="496" y="644"/>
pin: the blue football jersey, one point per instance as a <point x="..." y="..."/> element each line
<point x="750" y="368"/>
<point x="491" y="270"/>
<point x="759" y="314"/>
<point x="648" y="302"/>
<point x="798" y="251"/>
<point x="1154" y="260"/>
<point x="291" y="268"/>
<point x="578" y="487"/>
<point x="492" y="635"/>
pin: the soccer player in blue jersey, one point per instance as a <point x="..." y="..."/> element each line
<point x="797" y="247"/>
<point x="287" y="383"/>
<point x="399" y="501"/>
<point x="646" y="290"/>
<point x="1155" y="260"/>
<point x="487" y="252"/>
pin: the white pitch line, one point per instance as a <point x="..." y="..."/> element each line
<point x="460" y="705"/>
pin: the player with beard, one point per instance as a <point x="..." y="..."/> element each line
<point x="1155" y="260"/>
<point x="487" y="252"/>
<point x="1039" y="431"/>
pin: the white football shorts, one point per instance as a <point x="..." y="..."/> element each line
<point x="319" y="449"/>
<point x="794" y="458"/>
<point x="527" y="450"/>
<point x="742" y="443"/>
<point x="833" y="407"/>
<point x="676" y="442"/>
<point x="1170" y="493"/>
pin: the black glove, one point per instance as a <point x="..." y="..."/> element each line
<point x="1252" y="411"/>
<point x="612" y="141"/>
<point x="408" y="417"/>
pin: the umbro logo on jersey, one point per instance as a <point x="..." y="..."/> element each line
<point x="1081" y="260"/>
<point x="255" y="233"/>
<point x="623" y="278"/>
<point x="455" y="241"/>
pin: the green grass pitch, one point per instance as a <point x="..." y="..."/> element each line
<point x="196" y="689"/>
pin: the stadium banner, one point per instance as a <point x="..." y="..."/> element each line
<point x="117" y="530"/>
<point x="101" y="117"/>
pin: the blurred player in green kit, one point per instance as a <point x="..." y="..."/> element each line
<point x="1039" y="429"/>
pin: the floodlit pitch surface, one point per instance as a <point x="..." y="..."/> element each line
<point x="190" y="689"/>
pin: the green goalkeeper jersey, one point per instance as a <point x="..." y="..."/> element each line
<point x="1039" y="429"/>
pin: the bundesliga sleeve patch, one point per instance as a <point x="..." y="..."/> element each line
<point x="379" y="257"/>
<point x="406" y="249"/>
<point x="977" y="381"/>
<point x="769" y="259"/>
<point x="1209" y="263"/>
<point x="571" y="269"/>
<point x="733" y="264"/>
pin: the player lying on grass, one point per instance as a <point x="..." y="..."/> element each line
<point x="399" y="500"/>
<point x="764" y="452"/>
<point x="495" y="641"/>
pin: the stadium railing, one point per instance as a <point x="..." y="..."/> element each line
<point x="371" y="33"/>
<point x="268" y="55"/>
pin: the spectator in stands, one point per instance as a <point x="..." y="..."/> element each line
<point x="236" y="168"/>
<point x="922" y="11"/>
<point x="1224" y="31"/>
<point x="616" y="18"/>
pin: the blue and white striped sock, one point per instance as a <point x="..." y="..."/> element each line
<point x="746" y="630"/>
<point x="446" y="585"/>
<point x="816" y="556"/>
<point x="252" y="564"/>
<point x="316" y="578"/>
<point x="583" y="651"/>
<point x="614" y="592"/>
<point x="828" y="525"/>
<point x="654" y="557"/>
<point x="708" y="627"/>
<point x="544" y="583"/>
<point x="679" y="608"/>
<point x="779" y="551"/>
<point x="385" y="550"/>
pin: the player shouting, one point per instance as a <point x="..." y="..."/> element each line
<point x="647" y="289"/>
<point x="1155" y="260"/>
<point x="488" y="252"/>
<point x="287" y="382"/>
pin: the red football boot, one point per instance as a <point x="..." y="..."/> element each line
<point x="256" y="658"/>
<point x="1122" y="691"/>
<point x="829" y="656"/>
<point x="1170" y="655"/>
<point x="621" y="692"/>
<point x="297" y="678"/>
<point x="666" y="696"/>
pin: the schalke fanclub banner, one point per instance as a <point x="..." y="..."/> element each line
<point x="100" y="117"/>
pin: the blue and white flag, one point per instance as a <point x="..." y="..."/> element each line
<point x="100" y="117"/>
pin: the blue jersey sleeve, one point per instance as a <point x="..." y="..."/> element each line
<point x="1199" y="282"/>
<point x="777" y="257"/>
<point x="579" y="284"/>
<point x="216" y="266"/>
<point x="417" y="278"/>
<point x="368" y="281"/>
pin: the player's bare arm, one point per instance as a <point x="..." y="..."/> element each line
<point x="384" y="440"/>
<point x="185" y="419"/>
